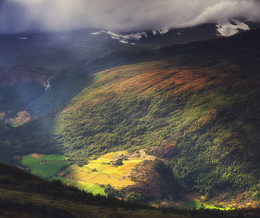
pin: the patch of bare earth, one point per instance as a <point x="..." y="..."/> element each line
<point x="37" y="156"/>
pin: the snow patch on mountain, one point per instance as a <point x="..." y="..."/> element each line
<point x="47" y="85"/>
<point x="161" y="32"/>
<point x="129" y="38"/>
<point x="231" y="28"/>
<point x="123" y="41"/>
<point x="123" y="38"/>
<point x="154" y="32"/>
<point x="96" y="33"/>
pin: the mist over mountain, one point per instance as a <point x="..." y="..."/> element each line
<point x="56" y="15"/>
<point x="152" y="102"/>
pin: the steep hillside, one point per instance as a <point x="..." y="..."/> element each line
<point x="33" y="64"/>
<point x="194" y="108"/>
<point x="202" y="120"/>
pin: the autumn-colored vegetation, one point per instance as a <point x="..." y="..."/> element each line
<point x="190" y="113"/>
<point x="194" y="106"/>
<point x="101" y="171"/>
<point x="114" y="168"/>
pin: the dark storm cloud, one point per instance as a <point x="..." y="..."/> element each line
<point x="52" y="15"/>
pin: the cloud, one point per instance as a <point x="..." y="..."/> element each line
<point x="122" y="15"/>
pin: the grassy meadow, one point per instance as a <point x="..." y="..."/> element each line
<point x="45" y="166"/>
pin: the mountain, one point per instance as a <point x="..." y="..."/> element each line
<point x="166" y="37"/>
<point x="199" y="117"/>
<point x="30" y="63"/>
<point x="172" y="126"/>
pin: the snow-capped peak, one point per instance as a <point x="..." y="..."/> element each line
<point x="231" y="28"/>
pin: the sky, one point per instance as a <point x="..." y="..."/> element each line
<point x="119" y="15"/>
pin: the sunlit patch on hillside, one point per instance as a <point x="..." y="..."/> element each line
<point x="113" y="169"/>
<point x="21" y="118"/>
<point x="17" y="119"/>
<point x="157" y="76"/>
<point x="2" y="115"/>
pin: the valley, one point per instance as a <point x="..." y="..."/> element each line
<point x="176" y="126"/>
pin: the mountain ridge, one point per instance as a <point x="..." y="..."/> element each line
<point x="194" y="107"/>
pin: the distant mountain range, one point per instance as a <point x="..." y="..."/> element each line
<point x="181" y="35"/>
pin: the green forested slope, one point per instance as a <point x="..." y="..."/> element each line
<point x="202" y="120"/>
<point x="196" y="107"/>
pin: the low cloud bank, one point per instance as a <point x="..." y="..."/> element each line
<point x="119" y="15"/>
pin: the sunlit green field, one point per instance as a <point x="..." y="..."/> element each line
<point x="97" y="173"/>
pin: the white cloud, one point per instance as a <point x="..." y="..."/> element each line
<point x="25" y="15"/>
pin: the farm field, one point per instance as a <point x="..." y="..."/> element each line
<point x="45" y="166"/>
<point x="91" y="177"/>
<point x="103" y="171"/>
